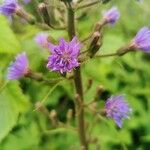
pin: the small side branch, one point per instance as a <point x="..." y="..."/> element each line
<point x="120" y="52"/>
<point x="106" y="55"/>
<point x="48" y="27"/>
<point x="84" y="57"/>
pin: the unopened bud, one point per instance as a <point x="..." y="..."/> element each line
<point x="95" y="37"/>
<point x="53" y="117"/>
<point x="53" y="114"/>
<point x="23" y="14"/>
<point x="95" y="49"/>
<point x="41" y="108"/>
<point x="42" y="7"/>
<point x="75" y="2"/>
<point x="94" y="45"/>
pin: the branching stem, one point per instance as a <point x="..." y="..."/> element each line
<point x="78" y="84"/>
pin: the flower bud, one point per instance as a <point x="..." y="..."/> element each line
<point x="94" y="45"/>
<point x="23" y="14"/>
<point x="19" y="67"/>
<point x="41" y="39"/>
<point x="42" y="7"/>
<point x="142" y="40"/>
<point x="53" y="117"/>
<point x="9" y="7"/>
<point x="118" y="109"/>
<point x="111" y="16"/>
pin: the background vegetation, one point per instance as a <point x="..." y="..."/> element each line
<point x="22" y="128"/>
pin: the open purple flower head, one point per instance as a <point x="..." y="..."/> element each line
<point x="19" y="67"/>
<point x="112" y="15"/>
<point x="142" y="40"/>
<point x="41" y="40"/>
<point x="64" y="57"/>
<point x="8" y="7"/>
<point x="118" y="109"/>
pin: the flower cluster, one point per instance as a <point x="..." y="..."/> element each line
<point x="42" y="40"/>
<point x="9" y="7"/>
<point x="19" y="67"/>
<point x="142" y="40"/>
<point x="111" y="16"/>
<point x="117" y="109"/>
<point x="64" y="57"/>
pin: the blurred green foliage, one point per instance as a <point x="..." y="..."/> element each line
<point x="22" y="128"/>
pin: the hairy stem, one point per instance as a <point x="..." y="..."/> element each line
<point x="78" y="84"/>
<point x="120" y="52"/>
<point x="106" y="55"/>
<point x="40" y="78"/>
<point x="71" y="23"/>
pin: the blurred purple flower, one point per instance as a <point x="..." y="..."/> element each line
<point x="117" y="109"/>
<point x="19" y="67"/>
<point x="142" y="40"/>
<point x="8" y="7"/>
<point x="41" y="40"/>
<point x="64" y="56"/>
<point x="111" y="16"/>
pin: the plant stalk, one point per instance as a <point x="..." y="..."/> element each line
<point x="78" y="85"/>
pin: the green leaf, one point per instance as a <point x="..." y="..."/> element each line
<point x="12" y="102"/>
<point x="8" y="42"/>
<point x="20" y="140"/>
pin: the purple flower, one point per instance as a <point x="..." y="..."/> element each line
<point x="41" y="40"/>
<point x="142" y="40"/>
<point x="64" y="56"/>
<point x="8" y="7"/>
<point x="117" y="109"/>
<point x="111" y="16"/>
<point x="19" y="67"/>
